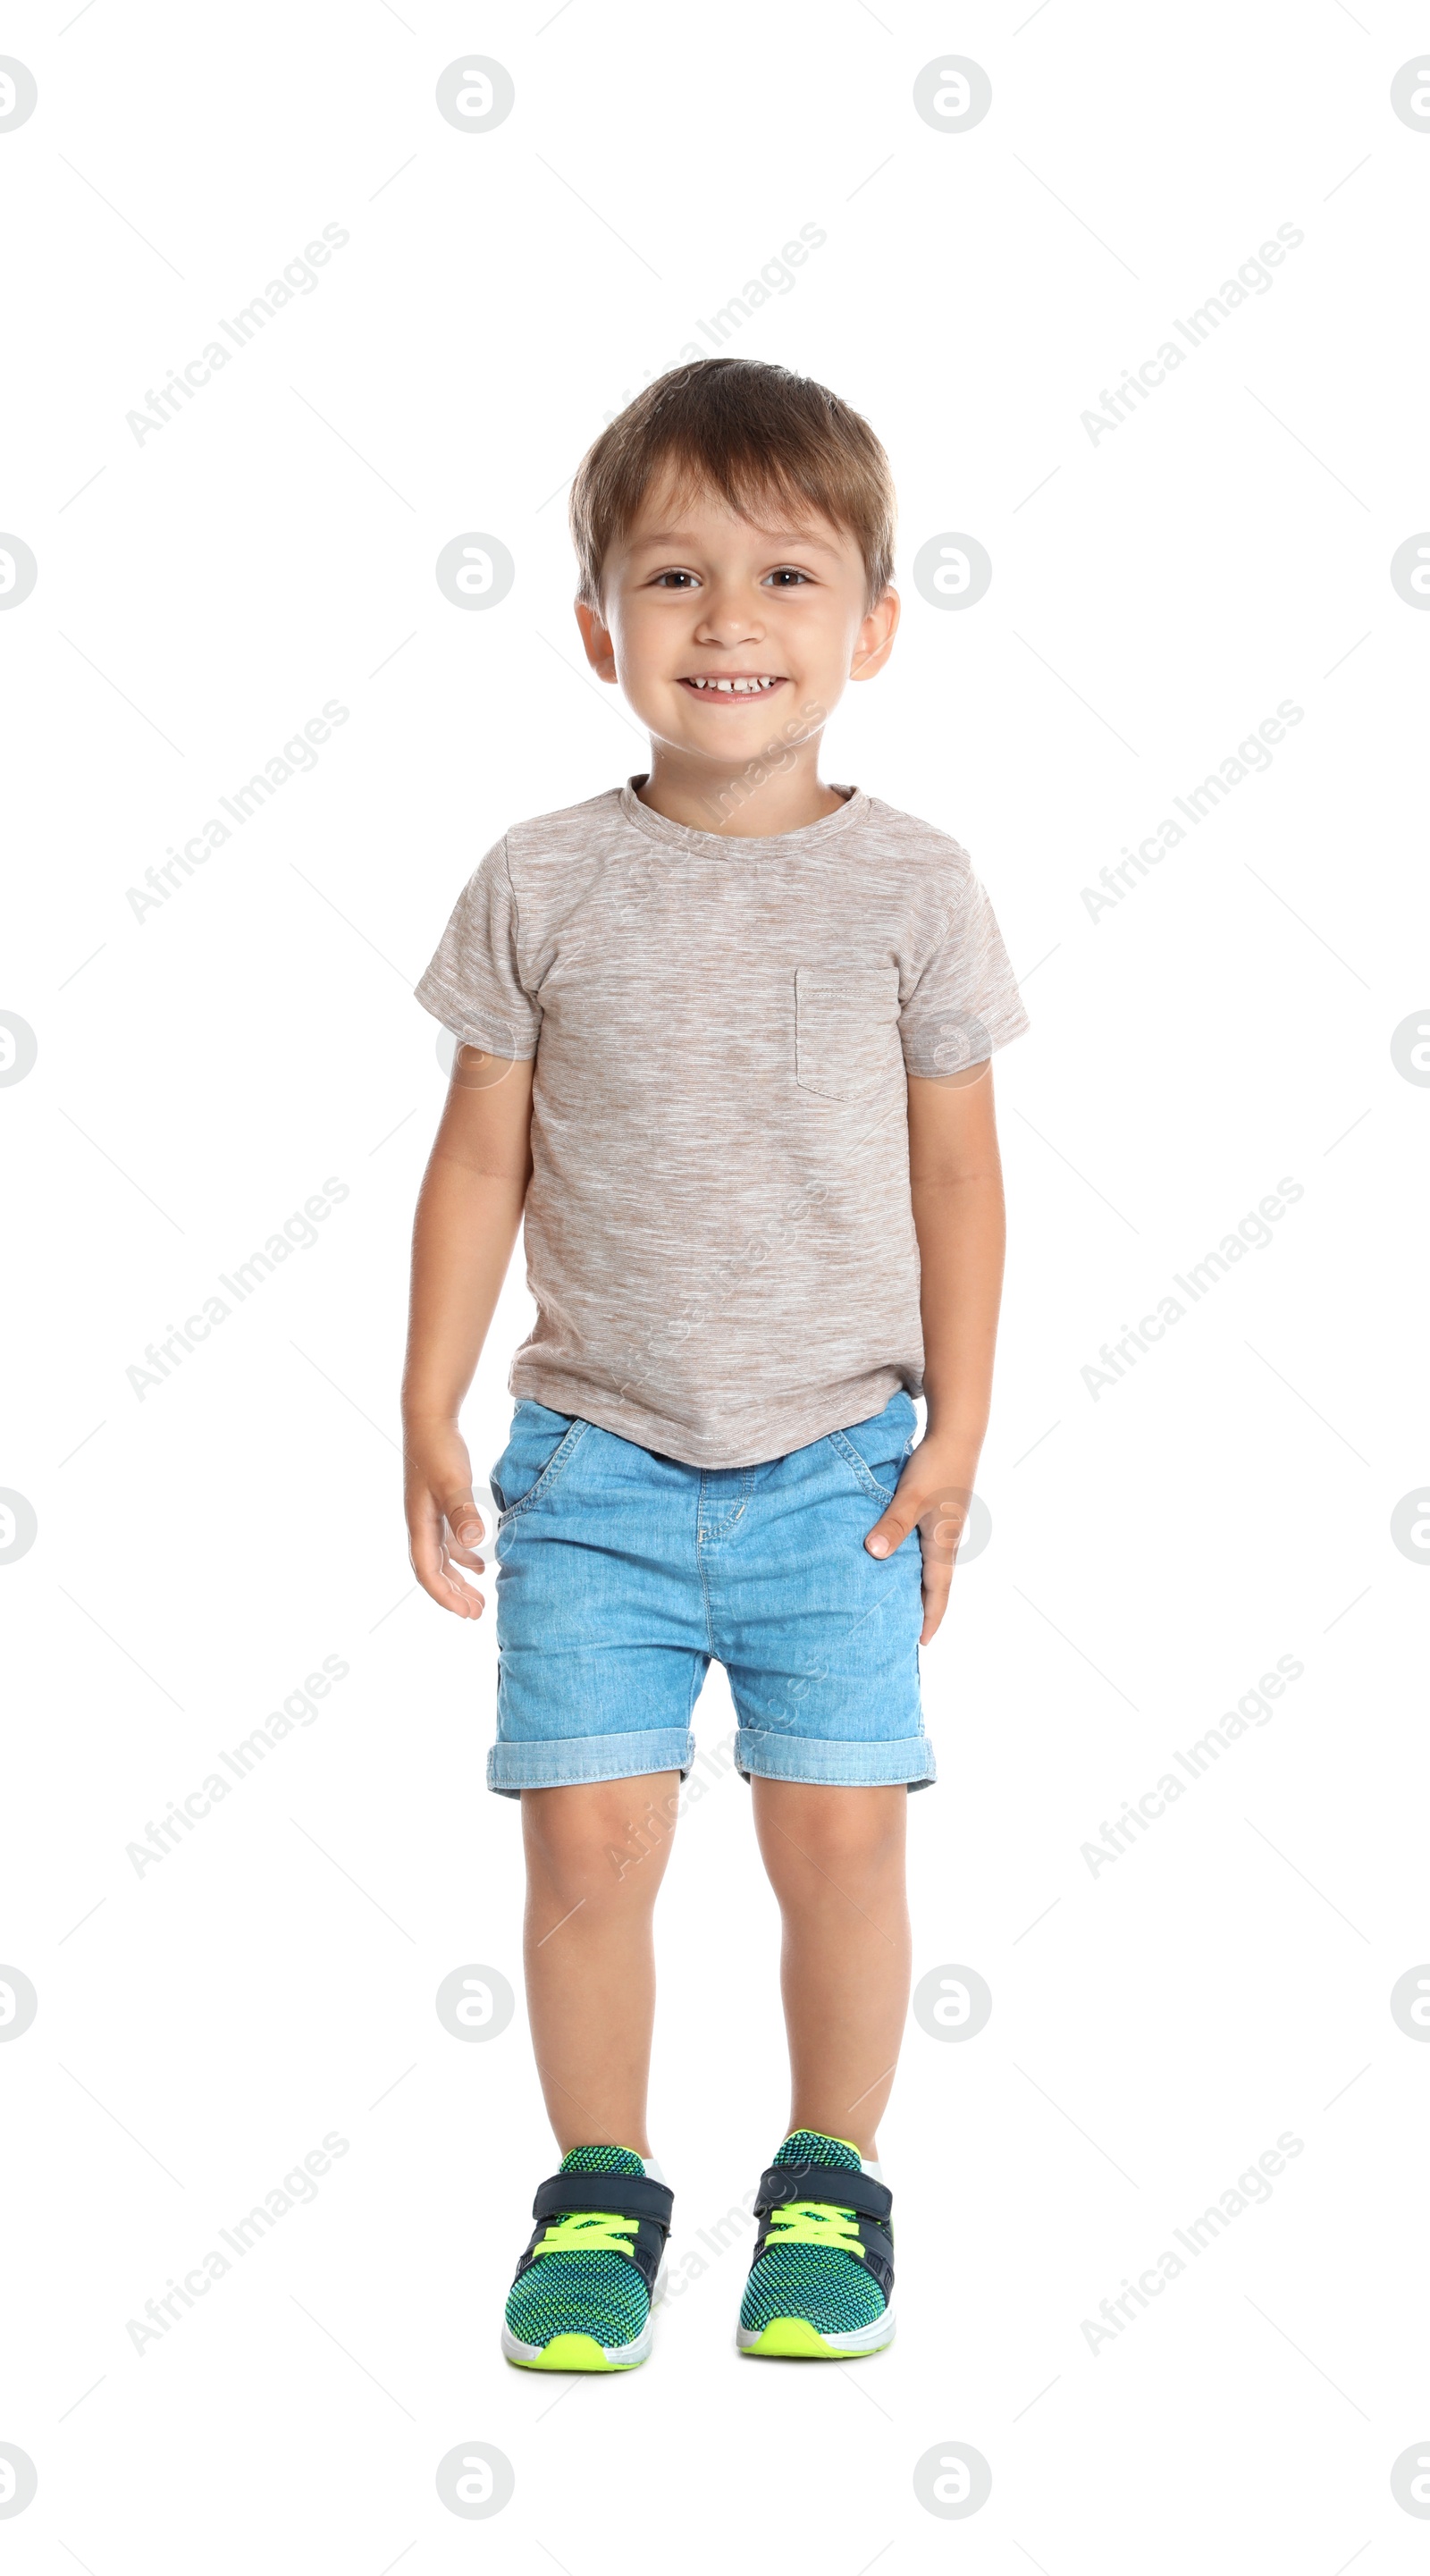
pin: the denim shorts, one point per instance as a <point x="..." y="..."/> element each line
<point x="621" y="1576"/>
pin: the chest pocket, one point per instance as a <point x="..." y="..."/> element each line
<point x="846" y="1029"/>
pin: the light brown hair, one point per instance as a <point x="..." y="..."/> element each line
<point x="753" y="433"/>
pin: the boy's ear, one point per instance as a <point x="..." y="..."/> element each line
<point x="596" y="636"/>
<point x="876" y="637"/>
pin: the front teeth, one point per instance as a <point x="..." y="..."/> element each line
<point x="740" y="688"/>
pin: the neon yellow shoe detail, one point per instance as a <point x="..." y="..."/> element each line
<point x="581" y="2299"/>
<point x="821" y="2280"/>
<point x="793" y="2339"/>
<point x="569" y="2352"/>
<point x="815" y="2222"/>
<point x="587" y="2231"/>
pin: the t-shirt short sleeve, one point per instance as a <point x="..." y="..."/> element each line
<point x="965" y="1003"/>
<point x="473" y="985"/>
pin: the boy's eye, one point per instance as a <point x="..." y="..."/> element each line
<point x="787" y="575"/>
<point x="676" y="580"/>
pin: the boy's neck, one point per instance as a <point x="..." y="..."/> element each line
<point x="730" y="802"/>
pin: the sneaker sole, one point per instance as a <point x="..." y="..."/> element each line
<point x="795" y="2339"/>
<point x="575" y="2352"/>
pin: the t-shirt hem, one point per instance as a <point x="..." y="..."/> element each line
<point x="1000" y="1034"/>
<point x="672" y="1440"/>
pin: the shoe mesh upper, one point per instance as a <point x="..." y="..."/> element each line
<point x="596" y="2294"/>
<point x="834" y="2292"/>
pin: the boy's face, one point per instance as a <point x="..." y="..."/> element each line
<point x="694" y="595"/>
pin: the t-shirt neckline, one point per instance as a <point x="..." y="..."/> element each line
<point x="684" y="836"/>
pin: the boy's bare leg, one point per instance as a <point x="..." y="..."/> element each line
<point x="595" y="1857"/>
<point x="835" y="1859"/>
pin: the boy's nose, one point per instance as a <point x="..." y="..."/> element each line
<point x="727" y="622"/>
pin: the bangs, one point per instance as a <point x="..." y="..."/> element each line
<point x="776" y="448"/>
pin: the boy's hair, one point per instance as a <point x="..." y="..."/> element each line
<point x="753" y="433"/>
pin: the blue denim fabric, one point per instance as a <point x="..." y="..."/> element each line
<point x="621" y="1575"/>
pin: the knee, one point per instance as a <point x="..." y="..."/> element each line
<point x="829" y="1834"/>
<point x="589" y="1840"/>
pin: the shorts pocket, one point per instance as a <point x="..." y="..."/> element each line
<point x="877" y="1451"/>
<point x="846" y="1029"/>
<point x="538" y="1449"/>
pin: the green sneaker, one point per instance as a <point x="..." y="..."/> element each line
<point x="584" y="2287"/>
<point x="822" y="2280"/>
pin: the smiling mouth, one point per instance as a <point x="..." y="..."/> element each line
<point x="734" y="685"/>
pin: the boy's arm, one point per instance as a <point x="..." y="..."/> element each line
<point x="468" y="1213"/>
<point x="957" y="1186"/>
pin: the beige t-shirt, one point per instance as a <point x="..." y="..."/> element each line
<point x="719" y="1236"/>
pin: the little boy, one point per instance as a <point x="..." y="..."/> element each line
<point x="725" y="1040"/>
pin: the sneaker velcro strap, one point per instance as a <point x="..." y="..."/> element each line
<point x="627" y="2195"/>
<point x="857" y="2191"/>
<point x="878" y="2254"/>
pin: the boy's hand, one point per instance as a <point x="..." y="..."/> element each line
<point x="444" y="1526"/>
<point x="934" y="1495"/>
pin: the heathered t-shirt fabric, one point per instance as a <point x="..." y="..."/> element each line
<point x="719" y="1233"/>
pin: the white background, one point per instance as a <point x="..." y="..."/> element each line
<point x="203" y="1068"/>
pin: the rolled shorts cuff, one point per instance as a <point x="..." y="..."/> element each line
<point x="837" y="1763"/>
<point x="566" y="1762"/>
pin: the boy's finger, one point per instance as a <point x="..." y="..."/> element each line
<point x="463" y="1518"/>
<point x="462" y="1597"/>
<point x="447" y="1588"/>
<point x="890" y="1532"/>
<point x="938" y="1578"/>
<point x="942" y="1523"/>
<point x="431" y="1559"/>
